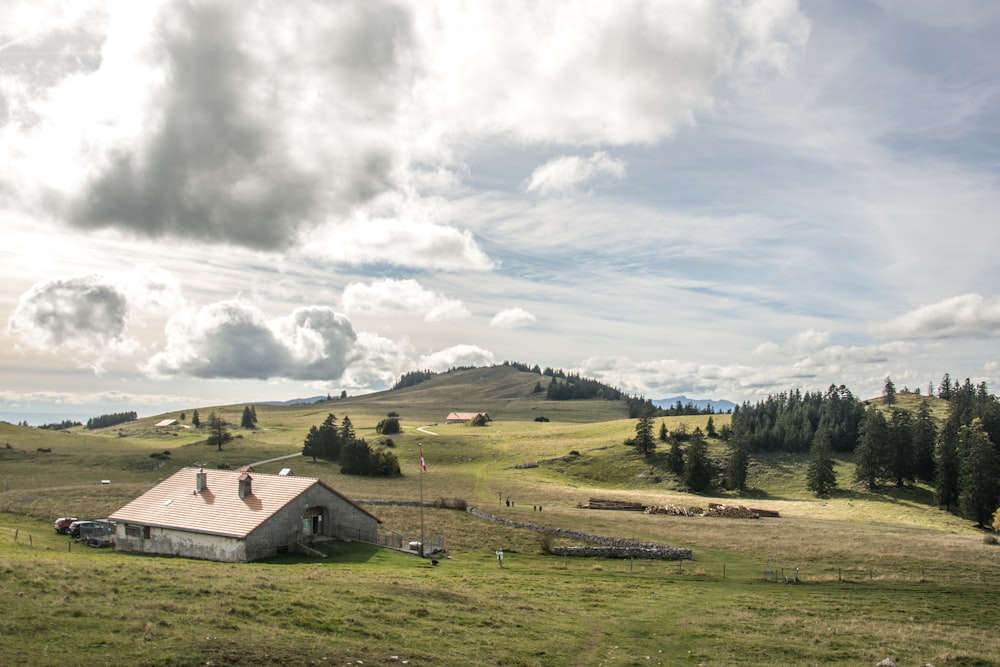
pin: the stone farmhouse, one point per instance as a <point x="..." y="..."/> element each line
<point x="237" y="516"/>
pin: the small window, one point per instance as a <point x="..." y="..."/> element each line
<point x="133" y="531"/>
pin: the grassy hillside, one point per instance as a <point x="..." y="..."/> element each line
<point x="883" y="575"/>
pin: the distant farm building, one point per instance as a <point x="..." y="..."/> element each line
<point x="462" y="417"/>
<point x="237" y="516"/>
<point x="166" y="422"/>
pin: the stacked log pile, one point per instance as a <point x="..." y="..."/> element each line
<point x="675" y="510"/>
<point x="620" y="505"/>
<point x="714" y="509"/>
<point x="731" y="511"/>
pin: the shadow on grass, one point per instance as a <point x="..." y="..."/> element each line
<point x="913" y="496"/>
<point x="336" y="552"/>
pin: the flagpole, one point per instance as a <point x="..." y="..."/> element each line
<point x="421" y="502"/>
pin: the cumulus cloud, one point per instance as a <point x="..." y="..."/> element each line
<point x="378" y="364"/>
<point x="965" y="316"/>
<point x="401" y="298"/>
<point x="455" y="356"/>
<point x="216" y="122"/>
<point x="232" y="339"/>
<point x="533" y="70"/>
<point x="563" y="174"/>
<point x="512" y="318"/>
<point x="84" y="313"/>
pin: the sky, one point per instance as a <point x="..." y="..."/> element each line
<point x="221" y="202"/>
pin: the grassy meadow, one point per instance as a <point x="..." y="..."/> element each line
<point x="882" y="575"/>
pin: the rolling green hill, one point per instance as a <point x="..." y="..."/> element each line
<point x="882" y="574"/>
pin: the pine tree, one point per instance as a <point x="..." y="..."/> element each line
<point x="663" y="432"/>
<point x="946" y="463"/>
<point x="869" y="454"/>
<point x="900" y="457"/>
<point x="675" y="458"/>
<point x="979" y="474"/>
<point x="247" y="420"/>
<point x="710" y="428"/>
<point x="330" y="440"/>
<point x="346" y="432"/>
<point x="697" y="467"/>
<point x="924" y="436"/>
<point x="643" y="441"/>
<point x="738" y="464"/>
<point x="889" y="391"/>
<point x="313" y="445"/>
<point x="218" y="434"/>
<point x="195" y="419"/>
<point x="820" y="475"/>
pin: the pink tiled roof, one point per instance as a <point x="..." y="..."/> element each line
<point x="218" y="510"/>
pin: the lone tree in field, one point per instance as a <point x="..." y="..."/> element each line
<point x="889" y="391"/>
<point x="389" y="425"/>
<point x="249" y="419"/>
<point x="820" y="476"/>
<point x="643" y="440"/>
<point x="218" y="435"/>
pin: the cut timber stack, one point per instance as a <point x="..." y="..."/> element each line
<point x="675" y="510"/>
<point x="620" y="505"/>
<point x="731" y="511"/>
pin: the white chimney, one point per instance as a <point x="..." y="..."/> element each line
<point x="200" y="480"/>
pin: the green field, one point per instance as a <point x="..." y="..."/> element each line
<point x="883" y="575"/>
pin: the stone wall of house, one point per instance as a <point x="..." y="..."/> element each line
<point x="169" y="542"/>
<point x="289" y="525"/>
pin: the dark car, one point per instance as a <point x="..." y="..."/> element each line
<point x="77" y="527"/>
<point x="62" y="524"/>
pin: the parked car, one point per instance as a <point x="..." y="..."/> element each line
<point x="76" y="527"/>
<point x="62" y="524"/>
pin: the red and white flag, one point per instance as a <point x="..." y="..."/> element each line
<point x="423" y="466"/>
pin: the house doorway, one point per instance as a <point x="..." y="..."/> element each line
<point x="314" y="521"/>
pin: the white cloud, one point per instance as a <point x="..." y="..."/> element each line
<point x="512" y="318"/>
<point x="563" y="174"/>
<point x="455" y="356"/>
<point x="232" y="339"/>
<point x="86" y="314"/>
<point x="530" y="70"/>
<point x="213" y="122"/>
<point x="421" y="245"/>
<point x="401" y="298"/>
<point x="153" y="288"/>
<point x="965" y="316"/>
<point x="378" y="363"/>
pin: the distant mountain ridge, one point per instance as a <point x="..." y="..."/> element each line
<point x="721" y="406"/>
